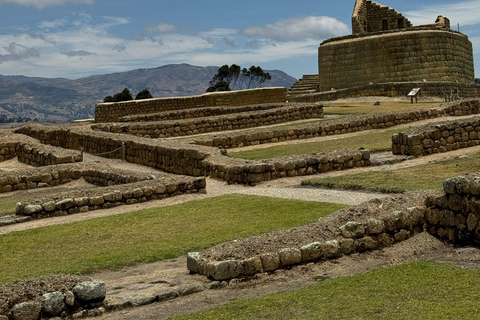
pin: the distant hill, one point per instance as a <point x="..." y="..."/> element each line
<point x="23" y="98"/>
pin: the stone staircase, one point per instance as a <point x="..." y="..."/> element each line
<point x="308" y="84"/>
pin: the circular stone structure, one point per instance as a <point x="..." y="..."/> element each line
<point x="404" y="55"/>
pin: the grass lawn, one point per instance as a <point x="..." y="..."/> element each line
<point x="148" y="235"/>
<point x="369" y="108"/>
<point x="380" y="141"/>
<point x="7" y="206"/>
<point x="418" y="290"/>
<point x="422" y="177"/>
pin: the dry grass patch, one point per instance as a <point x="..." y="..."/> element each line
<point x="422" y="177"/>
<point x="370" y="108"/>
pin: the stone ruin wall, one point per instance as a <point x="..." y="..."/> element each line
<point x="441" y="137"/>
<point x="429" y="53"/>
<point x="115" y="111"/>
<point x="455" y="215"/>
<point x="369" y="16"/>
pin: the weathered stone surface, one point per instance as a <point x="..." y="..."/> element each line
<point x="290" y="256"/>
<point x="69" y="298"/>
<point x="223" y="270"/>
<point x="64" y="204"/>
<point x="375" y="226"/>
<point x="194" y="263"/>
<point x="166" y="294"/>
<point x="311" y="252"/>
<point x="330" y="249"/>
<point x="347" y="246"/>
<point x="31" y="209"/>
<point x="352" y="229"/>
<point x="29" y="310"/>
<point x="53" y="303"/>
<point x="270" y="261"/>
<point x="365" y="244"/>
<point x="252" y="266"/>
<point x="90" y="291"/>
<point x="187" y="289"/>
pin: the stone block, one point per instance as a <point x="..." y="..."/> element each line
<point x="290" y="256"/>
<point x="223" y="270"/>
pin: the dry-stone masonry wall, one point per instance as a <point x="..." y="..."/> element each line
<point x="84" y="299"/>
<point x="175" y="128"/>
<point x="29" y="151"/>
<point x="394" y="89"/>
<point x="429" y="53"/>
<point x="113" y="112"/>
<point x="454" y="216"/>
<point x="441" y="137"/>
<point x="369" y="16"/>
<point x="334" y="127"/>
<point x="194" y="160"/>
<point x="353" y="237"/>
<point x="198" y="112"/>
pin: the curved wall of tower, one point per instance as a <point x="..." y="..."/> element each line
<point x="406" y="55"/>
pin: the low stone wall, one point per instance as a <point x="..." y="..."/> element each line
<point x="334" y="127"/>
<point x="78" y="201"/>
<point x="193" y="160"/>
<point x="392" y="89"/>
<point x="113" y="112"/>
<point x="30" y="152"/>
<point x="198" y="112"/>
<point x="84" y="299"/>
<point x="353" y="237"/>
<point x="454" y="216"/>
<point x="62" y="174"/>
<point x="441" y="137"/>
<point x="166" y="129"/>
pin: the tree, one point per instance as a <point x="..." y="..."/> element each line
<point x="144" y="94"/>
<point x="125" y="95"/>
<point x="477" y="80"/>
<point x="233" y="77"/>
<point x="254" y="77"/>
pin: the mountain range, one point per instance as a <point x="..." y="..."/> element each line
<point x="60" y="100"/>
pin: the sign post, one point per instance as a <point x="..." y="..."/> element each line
<point x="414" y="94"/>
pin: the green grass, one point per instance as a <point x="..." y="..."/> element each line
<point x="421" y="177"/>
<point x="369" y="108"/>
<point x="148" y="235"/>
<point x="380" y="141"/>
<point x="418" y="290"/>
<point x="7" y="206"/>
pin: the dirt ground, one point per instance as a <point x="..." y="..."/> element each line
<point x="146" y="277"/>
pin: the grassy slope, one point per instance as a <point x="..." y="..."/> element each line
<point x="419" y="290"/>
<point x="148" y="235"/>
<point x="422" y="177"/>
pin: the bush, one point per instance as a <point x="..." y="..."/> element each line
<point x="144" y="94"/>
<point x="125" y="95"/>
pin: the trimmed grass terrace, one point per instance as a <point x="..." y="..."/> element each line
<point x="418" y="290"/>
<point x="381" y="141"/>
<point x="422" y="177"/>
<point x="148" y="235"/>
<point x="369" y="108"/>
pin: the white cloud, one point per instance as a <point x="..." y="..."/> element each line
<point x="44" y="3"/>
<point x="299" y="28"/>
<point x="160" y="28"/>
<point x="465" y="13"/>
<point x="15" y="52"/>
<point x="79" y="53"/>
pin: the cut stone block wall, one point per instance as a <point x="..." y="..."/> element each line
<point x="341" y="126"/>
<point x="435" y="89"/>
<point x="194" y="160"/>
<point x="113" y="112"/>
<point x="30" y="152"/>
<point x="368" y="16"/>
<point x="198" y="112"/>
<point x="454" y="216"/>
<point x="175" y="128"/>
<point x="441" y="137"/>
<point x="396" y="56"/>
<point x="353" y="237"/>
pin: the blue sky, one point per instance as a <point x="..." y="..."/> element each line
<point x="78" y="38"/>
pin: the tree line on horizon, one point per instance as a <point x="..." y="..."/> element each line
<point x="126" y="95"/>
